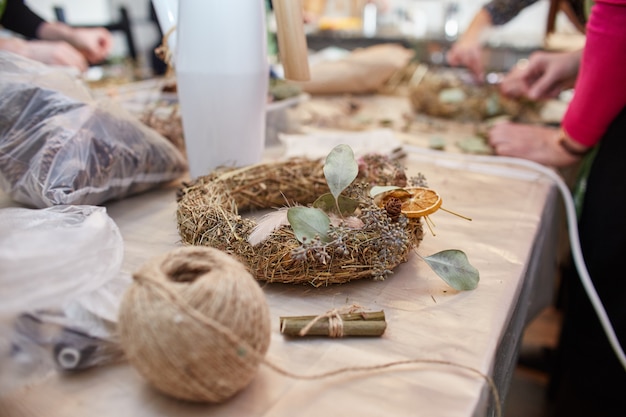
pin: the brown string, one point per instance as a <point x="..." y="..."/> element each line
<point x="167" y="294"/>
<point x="335" y="322"/>
<point x="192" y="312"/>
<point x="387" y="365"/>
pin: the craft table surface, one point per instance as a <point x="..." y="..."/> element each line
<point x="510" y="240"/>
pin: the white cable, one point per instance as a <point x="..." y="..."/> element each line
<point x="572" y="223"/>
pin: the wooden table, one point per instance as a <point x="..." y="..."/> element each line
<point x="511" y="240"/>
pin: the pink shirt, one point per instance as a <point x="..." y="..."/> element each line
<point x="600" y="91"/>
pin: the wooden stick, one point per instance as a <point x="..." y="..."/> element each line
<point x="292" y="46"/>
<point x="353" y="324"/>
<point x="456" y="214"/>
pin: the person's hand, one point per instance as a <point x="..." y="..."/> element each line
<point x="467" y="51"/>
<point x="48" y="52"/>
<point x="467" y="54"/>
<point x="534" y="142"/>
<point x="544" y="75"/>
<point x="55" y="53"/>
<point x="94" y="43"/>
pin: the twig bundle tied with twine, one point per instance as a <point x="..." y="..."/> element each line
<point x="208" y="215"/>
<point x="196" y="326"/>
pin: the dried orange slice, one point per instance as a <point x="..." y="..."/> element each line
<point x="416" y="201"/>
<point x="422" y="202"/>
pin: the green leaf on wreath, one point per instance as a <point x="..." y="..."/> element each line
<point x="307" y="223"/>
<point x="340" y="169"/>
<point x="452" y="265"/>
<point x="379" y="189"/>
<point x="326" y="202"/>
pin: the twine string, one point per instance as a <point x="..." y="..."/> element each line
<point x="166" y="293"/>
<point x="335" y="322"/>
<point x="335" y="326"/>
<point x="387" y="365"/>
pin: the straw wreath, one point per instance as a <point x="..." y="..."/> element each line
<point x="369" y="243"/>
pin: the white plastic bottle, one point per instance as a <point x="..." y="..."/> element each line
<point x="222" y="72"/>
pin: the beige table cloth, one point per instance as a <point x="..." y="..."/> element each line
<point x="511" y="240"/>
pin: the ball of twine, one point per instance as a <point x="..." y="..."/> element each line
<point x="195" y="324"/>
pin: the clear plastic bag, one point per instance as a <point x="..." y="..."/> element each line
<point x="59" y="146"/>
<point x="55" y="338"/>
<point x="61" y="280"/>
<point x="53" y="255"/>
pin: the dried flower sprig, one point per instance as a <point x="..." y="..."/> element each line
<point x="320" y="239"/>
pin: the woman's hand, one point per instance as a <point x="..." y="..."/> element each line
<point x="467" y="53"/>
<point x="544" y="75"/>
<point x="94" y="43"/>
<point x="48" y="52"/>
<point x="534" y="142"/>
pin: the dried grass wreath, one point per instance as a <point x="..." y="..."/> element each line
<point x="295" y="244"/>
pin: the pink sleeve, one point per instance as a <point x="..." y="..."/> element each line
<point x="600" y="91"/>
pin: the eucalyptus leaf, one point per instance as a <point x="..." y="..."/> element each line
<point x="379" y="189"/>
<point x="475" y="145"/>
<point x="437" y="142"/>
<point x="308" y="222"/>
<point x="452" y="95"/>
<point x="327" y="203"/>
<point x="492" y="105"/>
<point x="340" y="169"/>
<point x="453" y="266"/>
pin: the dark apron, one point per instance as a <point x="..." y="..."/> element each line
<point x="589" y="379"/>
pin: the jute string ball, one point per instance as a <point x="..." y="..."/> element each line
<point x="195" y="324"/>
